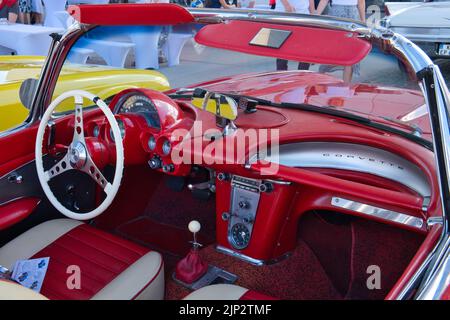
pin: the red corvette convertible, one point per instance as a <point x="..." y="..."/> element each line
<point x="245" y="181"/>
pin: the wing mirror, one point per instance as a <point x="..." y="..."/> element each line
<point x="27" y="91"/>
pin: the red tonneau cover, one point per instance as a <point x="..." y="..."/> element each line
<point x="131" y="14"/>
<point x="306" y="44"/>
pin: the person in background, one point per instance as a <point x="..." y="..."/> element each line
<point x="37" y="12"/>
<point x="9" y="10"/>
<point x="273" y="4"/>
<point x="226" y="4"/>
<point x="25" y="11"/>
<point x="352" y="9"/>
<point x="296" y="6"/>
<point x="248" y="4"/>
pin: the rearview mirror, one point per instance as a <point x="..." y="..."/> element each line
<point x="216" y="103"/>
<point x="27" y="91"/>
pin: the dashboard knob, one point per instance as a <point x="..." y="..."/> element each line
<point x="168" y="168"/>
<point x="223" y="176"/>
<point x="266" y="187"/>
<point x="244" y="204"/>
<point x="248" y="219"/>
<point x="155" y="163"/>
<point x="225" y="216"/>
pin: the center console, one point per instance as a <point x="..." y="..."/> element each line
<point x="251" y="213"/>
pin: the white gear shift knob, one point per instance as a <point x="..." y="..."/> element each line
<point x="194" y="226"/>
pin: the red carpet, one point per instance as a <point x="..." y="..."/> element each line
<point x="347" y="246"/>
<point x="299" y="277"/>
<point x="160" y="237"/>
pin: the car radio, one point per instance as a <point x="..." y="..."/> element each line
<point x="245" y="194"/>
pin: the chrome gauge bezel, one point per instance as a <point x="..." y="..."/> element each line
<point x="234" y="242"/>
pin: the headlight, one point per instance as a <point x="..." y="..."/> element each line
<point x="166" y="147"/>
<point x="121" y="129"/>
<point x="151" y="143"/>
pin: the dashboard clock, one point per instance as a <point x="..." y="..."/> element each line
<point x="240" y="236"/>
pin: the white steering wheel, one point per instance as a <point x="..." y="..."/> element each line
<point x="78" y="157"/>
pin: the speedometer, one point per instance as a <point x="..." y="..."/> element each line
<point x="143" y="106"/>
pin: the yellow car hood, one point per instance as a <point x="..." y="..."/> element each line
<point x="102" y="81"/>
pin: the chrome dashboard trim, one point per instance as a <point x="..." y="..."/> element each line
<point x="256" y="262"/>
<point x="241" y="256"/>
<point x="353" y="157"/>
<point x="377" y="212"/>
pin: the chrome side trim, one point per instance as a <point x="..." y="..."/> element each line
<point x="381" y="213"/>
<point x="251" y="260"/>
<point x="353" y="157"/>
<point x="437" y="96"/>
<point x="280" y="182"/>
<point x="241" y="256"/>
<point x="437" y="285"/>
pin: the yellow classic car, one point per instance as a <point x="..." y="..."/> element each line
<point x="104" y="81"/>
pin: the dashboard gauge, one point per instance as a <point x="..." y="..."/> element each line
<point x="166" y="147"/>
<point x="151" y="143"/>
<point x="143" y="106"/>
<point x="240" y="236"/>
<point x="121" y="128"/>
<point x="96" y="131"/>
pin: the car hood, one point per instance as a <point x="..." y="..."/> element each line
<point x="416" y="14"/>
<point x="391" y="106"/>
<point x="15" y="69"/>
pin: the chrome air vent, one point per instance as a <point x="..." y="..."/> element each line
<point x="354" y="157"/>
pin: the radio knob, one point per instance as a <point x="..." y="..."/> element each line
<point x="248" y="219"/>
<point x="223" y="176"/>
<point x="244" y="204"/>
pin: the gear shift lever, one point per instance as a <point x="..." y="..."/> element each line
<point x="192" y="267"/>
<point x="194" y="227"/>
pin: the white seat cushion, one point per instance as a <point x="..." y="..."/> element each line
<point x="217" y="292"/>
<point x="110" y="267"/>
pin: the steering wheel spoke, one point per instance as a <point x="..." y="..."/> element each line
<point x="61" y="166"/>
<point x="78" y="133"/>
<point x="91" y="169"/>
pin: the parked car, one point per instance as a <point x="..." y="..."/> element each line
<point x="427" y="24"/>
<point x="243" y="181"/>
<point x="104" y="81"/>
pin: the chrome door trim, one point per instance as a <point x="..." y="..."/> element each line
<point x="380" y="213"/>
<point x="438" y="99"/>
<point x="437" y="285"/>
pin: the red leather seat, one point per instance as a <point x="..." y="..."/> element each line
<point x="110" y="267"/>
<point x="226" y="292"/>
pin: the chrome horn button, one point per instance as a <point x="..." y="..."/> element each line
<point x="77" y="155"/>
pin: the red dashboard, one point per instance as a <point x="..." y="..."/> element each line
<point x="270" y="205"/>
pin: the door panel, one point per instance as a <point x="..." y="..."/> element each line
<point x="16" y="211"/>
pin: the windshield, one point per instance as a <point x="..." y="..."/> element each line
<point x="379" y="87"/>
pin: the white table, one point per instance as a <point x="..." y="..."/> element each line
<point x="144" y="39"/>
<point x="27" y="39"/>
